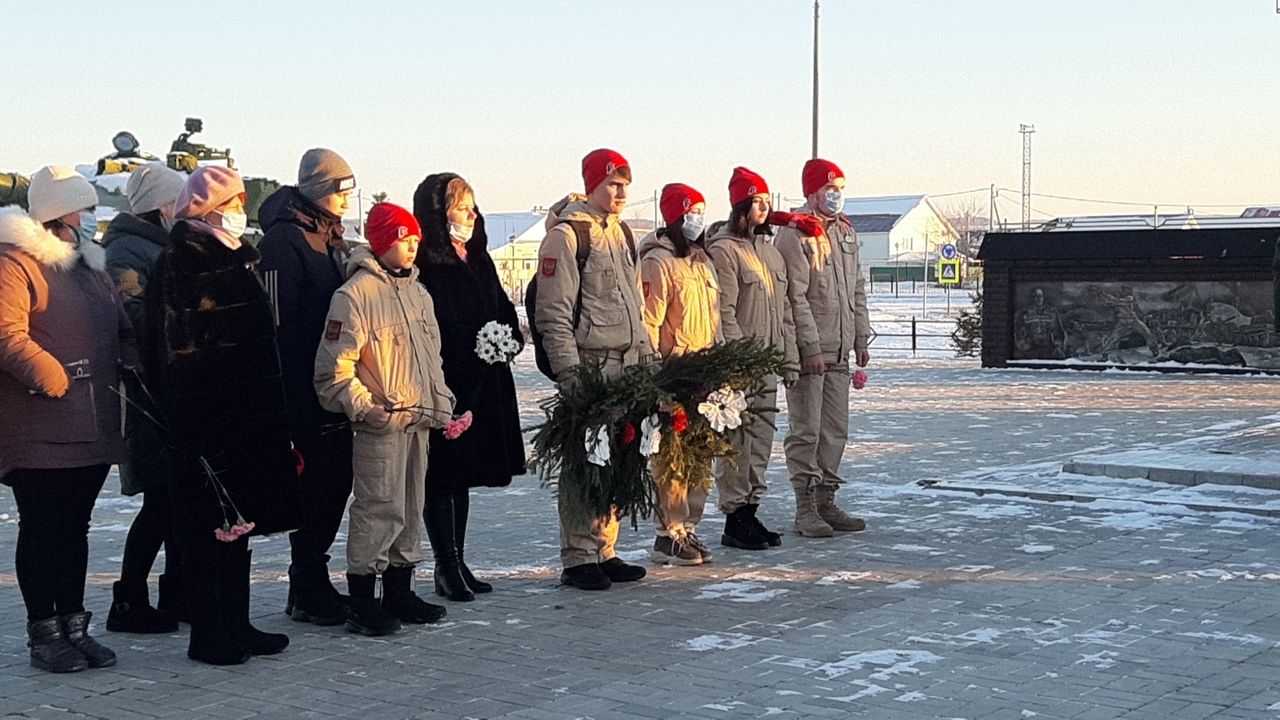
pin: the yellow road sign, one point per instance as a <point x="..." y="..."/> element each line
<point x="949" y="272"/>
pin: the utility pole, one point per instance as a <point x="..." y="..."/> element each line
<point x="1026" y="131"/>
<point x="991" y="209"/>
<point x="815" y="78"/>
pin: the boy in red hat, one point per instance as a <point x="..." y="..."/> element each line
<point x="379" y="364"/>
<point x="591" y="314"/>
<point x="829" y="304"/>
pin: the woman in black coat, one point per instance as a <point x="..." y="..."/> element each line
<point x="211" y="359"/>
<point x="455" y="266"/>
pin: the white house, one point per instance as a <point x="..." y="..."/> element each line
<point x="898" y="229"/>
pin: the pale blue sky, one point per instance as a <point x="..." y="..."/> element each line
<point x="1169" y="101"/>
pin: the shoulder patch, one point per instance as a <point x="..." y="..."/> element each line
<point x="548" y="267"/>
<point x="333" y="330"/>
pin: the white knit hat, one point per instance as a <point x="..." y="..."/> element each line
<point x="153" y="186"/>
<point x="56" y="191"/>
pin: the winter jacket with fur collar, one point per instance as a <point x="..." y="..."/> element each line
<point x="467" y="295"/>
<point x="63" y="339"/>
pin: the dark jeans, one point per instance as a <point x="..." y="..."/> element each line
<point x="151" y="528"/>
<point x="52" y="557"/>
<point x="325" y="487"/>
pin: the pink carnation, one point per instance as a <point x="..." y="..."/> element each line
<point x="231" y="533"/>
<point x="859" y="380"/>
<point x="454" y="428"/>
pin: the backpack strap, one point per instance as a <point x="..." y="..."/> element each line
<point x="582" y="230"/>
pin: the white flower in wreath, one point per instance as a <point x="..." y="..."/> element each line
<point x="597" y="446"/>
<point x="723" y="408"/>
<point x="650" y="435"/>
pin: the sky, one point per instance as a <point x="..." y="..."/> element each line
<point x="1172" y="102"/>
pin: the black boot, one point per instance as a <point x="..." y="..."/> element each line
<point x="313" y="598"/>
<point x="172" y="601"/>
<point x="741" y="533"/>
<point x="50" y="650"/>
<point x="131" y="612"/>
<point x="773" y="538"/>
<point x="461" y="509"/>
<point x="258" y="642"/>
<point x="439" y="517"/>
<point x="208" y="594"/>
<point x="365" y="615"/>
<point x="399" y="599"/>
<point x="76" y="627"/>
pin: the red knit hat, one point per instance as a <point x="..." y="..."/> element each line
<point x="676" y="200"/>
<point x="745" y="184"/>
<point x="388" y="224"/>
<point x="598" y="165"/>
<point x="817" y="174"/>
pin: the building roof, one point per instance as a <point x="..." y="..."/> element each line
<point x="502" y="227"/>
<point x="884" y="205"/>
<point x="864" y="224"/>
<point x="1216" y="245"/>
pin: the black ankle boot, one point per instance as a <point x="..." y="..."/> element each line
<point x="741" y="533"/>
<point x="314" y="599"/>
<point x="76" y="627"/>
<point x="399" y="599"/>
<point x="475" y="584"/>
<point x="773" y="538"/>
<point x="131" y="612"/>
<point x="50" y="650"/>
<point x="365" y="615"/>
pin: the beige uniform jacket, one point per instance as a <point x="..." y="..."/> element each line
<point x="753" y="290"/>
<point x="681" y="297"/>
<point x="381" y="346"/>
<point x="611" y="317"/>
<point x="825" y="286"/>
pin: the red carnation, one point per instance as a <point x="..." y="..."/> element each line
<point x="679" y="420"/>
<point x="628" y="434"/>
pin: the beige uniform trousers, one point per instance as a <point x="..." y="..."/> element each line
<point x="680" y="505"/>
<point x="591" y="540"/>
<point x="742" y="481"/>
<point x="818" y="412"/>
<point x="388" y="491"/>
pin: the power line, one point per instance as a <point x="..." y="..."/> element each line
<point x="1139" y="204"/>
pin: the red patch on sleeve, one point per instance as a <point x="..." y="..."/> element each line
<point x="646" y="288"/>
<point x="548" y="267"/>
<point x="333" y="330"/>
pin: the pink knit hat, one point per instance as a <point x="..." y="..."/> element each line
<point x="206" y="189"/>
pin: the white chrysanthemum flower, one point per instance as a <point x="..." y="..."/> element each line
<point x="723" y="408"/>
<point x="650" y="435"/>
<point x="597" y="446"/>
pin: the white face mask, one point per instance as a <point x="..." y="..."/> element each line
<point x="692" y="226"/>
<point x="459" y="232"/>
<point x="833" y="202"/>
<point x="234" y="223"/>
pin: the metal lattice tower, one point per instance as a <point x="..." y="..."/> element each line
<point x="1026" y="131"/>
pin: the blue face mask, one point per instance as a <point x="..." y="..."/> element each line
<point x="692" y="226"/>
<point x="833" y="202"/>
<point x="88" y="228"/>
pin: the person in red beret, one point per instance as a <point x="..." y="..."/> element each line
<point x="379" y="364"/>
<point x="682" y="314"/>
<point x="829" y="304"/>
<point x="753" y="303"/>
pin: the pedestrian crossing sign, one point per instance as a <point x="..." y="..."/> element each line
<point x="949" y="272"/>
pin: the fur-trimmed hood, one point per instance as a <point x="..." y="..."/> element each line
<point x="20" y="230"/>
<point x="429" y="208"/>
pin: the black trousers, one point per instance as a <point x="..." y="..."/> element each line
<point x="324" y="492"/>
<point x="52" y="557"/>
<point x="151" y="528"/>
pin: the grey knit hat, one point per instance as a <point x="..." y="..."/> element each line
<point x="323" y="172"/>
<point x="153" y="186"/>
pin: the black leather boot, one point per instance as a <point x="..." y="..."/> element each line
<point x="439" y="518"/>
<point x="50" y="650"/>
<point x="741" y="533"/>
<point x="314" y="599"/>
<point x="131" y="612"/>
<point x="461" y="510"/>
<point x="365" y="615"/>
<point x="76" y="627"/>
<point x="208" y="595"/>
<point x="401" y="601"/>
<point x="774" y="539"/>
<point x="258" y="642"/>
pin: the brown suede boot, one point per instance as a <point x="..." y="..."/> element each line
<point x="832" y="515"/>
<point x="808" y="522"/>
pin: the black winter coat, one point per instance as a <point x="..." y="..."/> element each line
<point x="301" y="282"/>
<point x="467" y="295"/>
<point x="132" y="247"/>
<point x="211" y="356"/>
